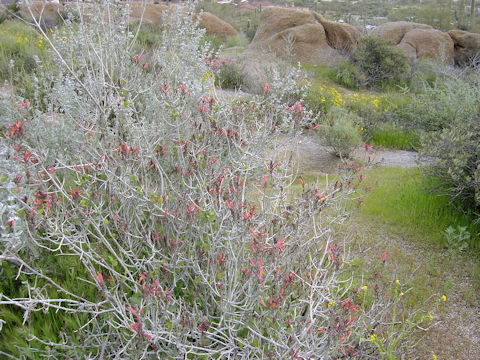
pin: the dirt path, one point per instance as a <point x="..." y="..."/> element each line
<point x="318" y="158"/>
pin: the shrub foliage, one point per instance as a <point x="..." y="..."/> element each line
<point x="155" y="217"/>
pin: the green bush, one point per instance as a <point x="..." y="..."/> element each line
<point x="380" y="63"/>
<point x="341" y="131"/>
<point x="441" y="105"/>
<point x="455" y="161"/>
<point x="229" y="76"/>
<point x="320" y="98"/>
<point x="214" y="43"/>
<point x="350" y="75"/>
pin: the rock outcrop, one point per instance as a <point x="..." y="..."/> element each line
<point x="428" y="44"/>
<point x="418" y="41"/>
<point x="467" y="47"/>
<point x="215" y="26"/>
<point x="313" y="39"/>
<point x="152" y="13"/>
<point x="396" y="30"/>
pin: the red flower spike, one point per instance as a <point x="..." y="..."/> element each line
<point x="99" y="278"/>
<point x="23" y="104"/>
<point x="279" y="244"/>
<point x="132" y="311"/>
<point x="260" y="274"/>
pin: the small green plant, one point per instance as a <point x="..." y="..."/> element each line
<point x="457" y="239"/>
<point x="341" y="131"/>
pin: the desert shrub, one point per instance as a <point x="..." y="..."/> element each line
<point x="21" y="49"/>
<point x="380" y="63"/>
<point x="372" y="108"/>
<point x="153" y="217"/>
<point x="441" y="105"/>
<point x="229" y="76"/>
<point x="341" y="131"/>
<point x="455" y="162"/>
<point x="349" y="75"/>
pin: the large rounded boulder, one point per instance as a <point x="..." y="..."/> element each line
<point x="467" y="47"/>
<point x="396" y="30"/>
<point x="428" y="44"/>
<point x="310" y="37"/>
<point x="418" y="41"/>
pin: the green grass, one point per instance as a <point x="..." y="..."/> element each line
<point x="48" y="325"/>
<point x="324" y="74"/>
<point x="19" y="44"/>
<point x="391" y="136"/>
<point x="149" y="35"/>
<point x="399" y="199"/>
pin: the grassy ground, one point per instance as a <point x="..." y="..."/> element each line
<point x="399" y="218"/>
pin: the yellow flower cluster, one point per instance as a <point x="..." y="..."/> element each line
<point x="374" y="102"/>
<point x="20" y="39"/>
<point x="39" y="42"/>
<point x="208" y="77"/>
<point x="331" y="95"/>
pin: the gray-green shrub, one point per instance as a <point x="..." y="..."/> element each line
<point x="341" y="131"/>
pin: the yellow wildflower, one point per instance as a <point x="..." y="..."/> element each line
<point x="329" y="304"/>
<point x="364" y="287"/>
<point x="444" y="298"/>
<point x="373" y="337"/>
<point x="397" y="281"/>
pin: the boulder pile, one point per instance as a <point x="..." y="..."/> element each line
<point x="49" y="14"/>
<point x="420" y="41"/>
<point x="311" y="38"/>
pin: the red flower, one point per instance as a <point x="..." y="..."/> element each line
<point x="99" y="277"/>
<point x="23" y="105"/>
